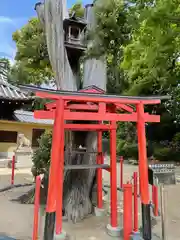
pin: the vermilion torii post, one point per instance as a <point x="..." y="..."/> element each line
<point x="55" y="189"/>
<point x="113" y="175"/>
<point x="102" y="107"/>
<point x="143" y="172"/>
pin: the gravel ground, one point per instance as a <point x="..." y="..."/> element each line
<point x="16" y="219"/>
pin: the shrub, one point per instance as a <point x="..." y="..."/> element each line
<point x="131" y="150"/>
<point x="176" y="138"/>
<point x="120" y="147"/>
<point x="163" y="153"/>
<point x="41" y="157"/>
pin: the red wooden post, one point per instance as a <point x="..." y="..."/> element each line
<point x="127" y="215"/>
<point x="113" y="176"/>
<point x="60" y="168"/>
<point x="99" y="171"/>
<point x="121" y="172"/>
<point x="135" y="176"/>
<point x="13" y="169"/>
<point x="36" y="208"/>
<point x="51" y="198"/>
<point x="55" y="188"/>
<point x="143" y="173"/>
<point x="155" y="199"/>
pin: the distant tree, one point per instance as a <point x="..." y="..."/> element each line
<point x="112" y="33"/>
<point x="78" y="9"/>
<point x="32" y="61"/>
<point x="151" y="59"/>
<point x="7" y="63"/>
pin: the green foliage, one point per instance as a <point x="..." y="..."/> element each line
<point x="109" y="36"/>
<point x="128" y="150"/>
<point x="78" y="9"/>
<point x="120" y="145"/>
<point x="112" y="29"/>
<point x="32" y="61"/>
<point x="163" y="153"/>
<point x="176" y="138"/>
<point x="168" y="150"/>
<point x="150" y="60"/>
<point x="41" y="157"/>
<point x="7" y="63"/>
<point x="141" y="42"/>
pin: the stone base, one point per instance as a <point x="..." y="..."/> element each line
<point x="6" y="238"/>
<point x="23" y="158"/>
<point x="61" y="236"/>
<point x="99" y="212"/>
<point x="136" y="236"/>
<point x="113" y="231"/>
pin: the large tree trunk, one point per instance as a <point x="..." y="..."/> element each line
<point x="77" y="183"/>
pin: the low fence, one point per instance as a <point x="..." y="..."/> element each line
<point x="12" y="184"/>
<point x="36" y="208"/>
<point x="131" y="198"/>
<point x="130" y="206"/>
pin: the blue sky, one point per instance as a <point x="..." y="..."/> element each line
<point x="13" y="15"/>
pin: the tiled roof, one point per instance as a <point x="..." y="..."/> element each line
<point x="28" y="117"/>
<point x="8" y="91"/>
<point x="92" y="89"/>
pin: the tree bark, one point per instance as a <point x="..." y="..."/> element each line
<point x="77" y="183"/>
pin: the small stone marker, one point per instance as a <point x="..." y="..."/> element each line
<point x="164" y="172"/>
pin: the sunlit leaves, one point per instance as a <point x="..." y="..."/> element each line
<point x="151" y="58"/>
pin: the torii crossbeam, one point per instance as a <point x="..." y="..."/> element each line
<point x="95" y="107"/>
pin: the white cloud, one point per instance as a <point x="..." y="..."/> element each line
<point x="7" y="27"/>
<point x="4" y="19"/>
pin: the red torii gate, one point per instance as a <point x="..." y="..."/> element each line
<point x="95" y="106"/>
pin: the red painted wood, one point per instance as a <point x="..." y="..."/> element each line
<point x="91" y="107"/>
<point x="48" y="95"/>
<point x="91" y="91"/>
<point x="55" y="157"/>
<point x="108" y="117"/>
<point x="36" y="208"/>
<point x="60" y="168"/>
<point x="127" y="215"/>
<point x="124" y="107"/>
<point x="13" y="169"/>
<point x="41" y="114"/>
<point x="50" y="105"/>
<point x="113" y="176"/>
<point x="143" y="163"/>
<point x="62" y="111"/>
<point x="96" y="99"/>
<point x="102" y="108"/>
<point x="135" y="178"/>
<point x="85" y="127"/>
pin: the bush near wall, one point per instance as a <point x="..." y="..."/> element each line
<point x="162" y="151"/>
<point x="41" y="157"/>
<point x="127" y="150"/>
<point x="168" y="150"/>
